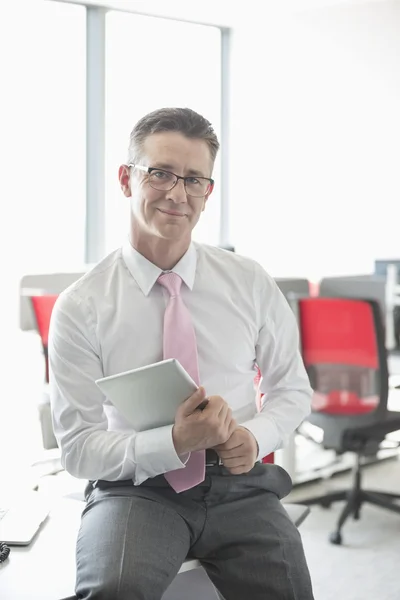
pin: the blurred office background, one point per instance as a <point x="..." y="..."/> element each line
<point x="305" y="98"/>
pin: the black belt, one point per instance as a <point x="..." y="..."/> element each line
<point x="212" y="459"/>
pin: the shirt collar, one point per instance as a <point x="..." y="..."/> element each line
<point x="146" y="273"/>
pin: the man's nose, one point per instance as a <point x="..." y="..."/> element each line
<point x="178" y="192"/>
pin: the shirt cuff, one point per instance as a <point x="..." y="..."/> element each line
<point x="265" y="433"/>
<point x="155" y="454"/>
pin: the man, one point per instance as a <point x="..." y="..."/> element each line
<point x="196" y="488"/>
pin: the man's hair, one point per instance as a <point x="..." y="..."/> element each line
<point x="183" y="120"/>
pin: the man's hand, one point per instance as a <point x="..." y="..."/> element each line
<point x="200" y="428"/>
<point x="240" y="452"/>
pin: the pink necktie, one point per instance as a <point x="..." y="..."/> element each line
<point x="180" y="343"/>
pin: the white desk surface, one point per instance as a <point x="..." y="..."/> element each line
<point x="45" y="569"/>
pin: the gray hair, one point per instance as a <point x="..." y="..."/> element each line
<point x="183" y="120"/>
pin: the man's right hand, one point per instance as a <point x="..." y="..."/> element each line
<point x="198" y="429"/>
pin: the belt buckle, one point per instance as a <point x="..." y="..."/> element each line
<point x="216" y="461"/>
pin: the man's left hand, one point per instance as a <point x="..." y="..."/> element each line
<point x="239" y="453"/>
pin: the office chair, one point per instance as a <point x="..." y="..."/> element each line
<point x="42" y="308"/>
<point x="343" y="348"/>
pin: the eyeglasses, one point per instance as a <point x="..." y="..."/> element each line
<point x="164" y="181"/>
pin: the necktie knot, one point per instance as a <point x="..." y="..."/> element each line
<point x="172" y="282"/>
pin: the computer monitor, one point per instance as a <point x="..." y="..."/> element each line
<point x="381" y="266"/>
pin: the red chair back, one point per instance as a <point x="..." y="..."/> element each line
<point x="42" y="309"/>
<point x="341" y="352"/>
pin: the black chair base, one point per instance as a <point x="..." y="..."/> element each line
<point x="354" y="498"/>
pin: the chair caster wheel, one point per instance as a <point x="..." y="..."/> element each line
<point x="326" y="504"/>
<point x="336" y="538"/>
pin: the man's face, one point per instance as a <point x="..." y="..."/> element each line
<point x="167" y="214"/>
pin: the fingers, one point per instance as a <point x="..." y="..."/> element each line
<point x="231" y="442"/>
<point x="216" y="404"/>
<point x="224" y="414"/>
<point x="192" y="403"/>
<point x="202" y="404"/>
<point x="234" y="462"/>
<point x="232" y="427"/>
<point x="228" y="418"/>
<point x="240" y="470"/>
<point x="237" y="463"/>
<point x="225" y="451"/>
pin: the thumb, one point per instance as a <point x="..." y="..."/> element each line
<point x="189" y="406"/>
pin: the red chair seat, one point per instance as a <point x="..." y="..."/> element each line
<point x="342" y="402"/>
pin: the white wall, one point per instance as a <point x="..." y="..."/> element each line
<point x="316" y="107"/>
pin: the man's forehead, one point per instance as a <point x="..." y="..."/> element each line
<point x="178" y="154"/>
<point x="173" y="146"/>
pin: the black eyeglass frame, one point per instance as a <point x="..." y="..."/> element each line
<point x="149" y="170"/>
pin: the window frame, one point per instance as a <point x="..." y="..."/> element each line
<point x="95" y="229"/>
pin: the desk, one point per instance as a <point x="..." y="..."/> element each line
<point x="45" y="569"/>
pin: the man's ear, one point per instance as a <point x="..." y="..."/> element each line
<point x="206" y="197"/>
<point x="124" y="180"/>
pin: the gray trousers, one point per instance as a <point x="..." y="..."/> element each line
<point x="134" y="539"/>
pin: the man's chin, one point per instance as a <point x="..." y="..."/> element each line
<point x="172" y="226"/>
<point x="173" y="231"/>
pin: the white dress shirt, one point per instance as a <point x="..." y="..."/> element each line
<point x="111" y="320"/>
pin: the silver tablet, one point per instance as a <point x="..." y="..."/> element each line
<point x="148" y="397"/>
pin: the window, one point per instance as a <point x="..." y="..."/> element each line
<point x="43" y="133"/>
<point x="42" y="184"/>
<point x="62" y="160"/>
<point x="191" y="76"/>
<point x="45" y="126"/>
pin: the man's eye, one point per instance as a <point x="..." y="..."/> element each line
<point x="192" y="180"/>
<point x="160" y="174"/>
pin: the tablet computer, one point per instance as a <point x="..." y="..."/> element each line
<point x="148" y="397"/>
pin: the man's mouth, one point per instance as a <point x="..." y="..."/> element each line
<point x="172" y="213"/>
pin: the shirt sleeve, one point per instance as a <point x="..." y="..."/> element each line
<point x="88" y="449"/>
<point x="285" y="383"/>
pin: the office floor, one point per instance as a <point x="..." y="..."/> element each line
<point x="366" y="566"/>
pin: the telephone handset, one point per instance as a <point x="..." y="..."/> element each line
<point x="4" y="552"/>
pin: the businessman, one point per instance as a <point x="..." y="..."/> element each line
<point x="198" y="487"/>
